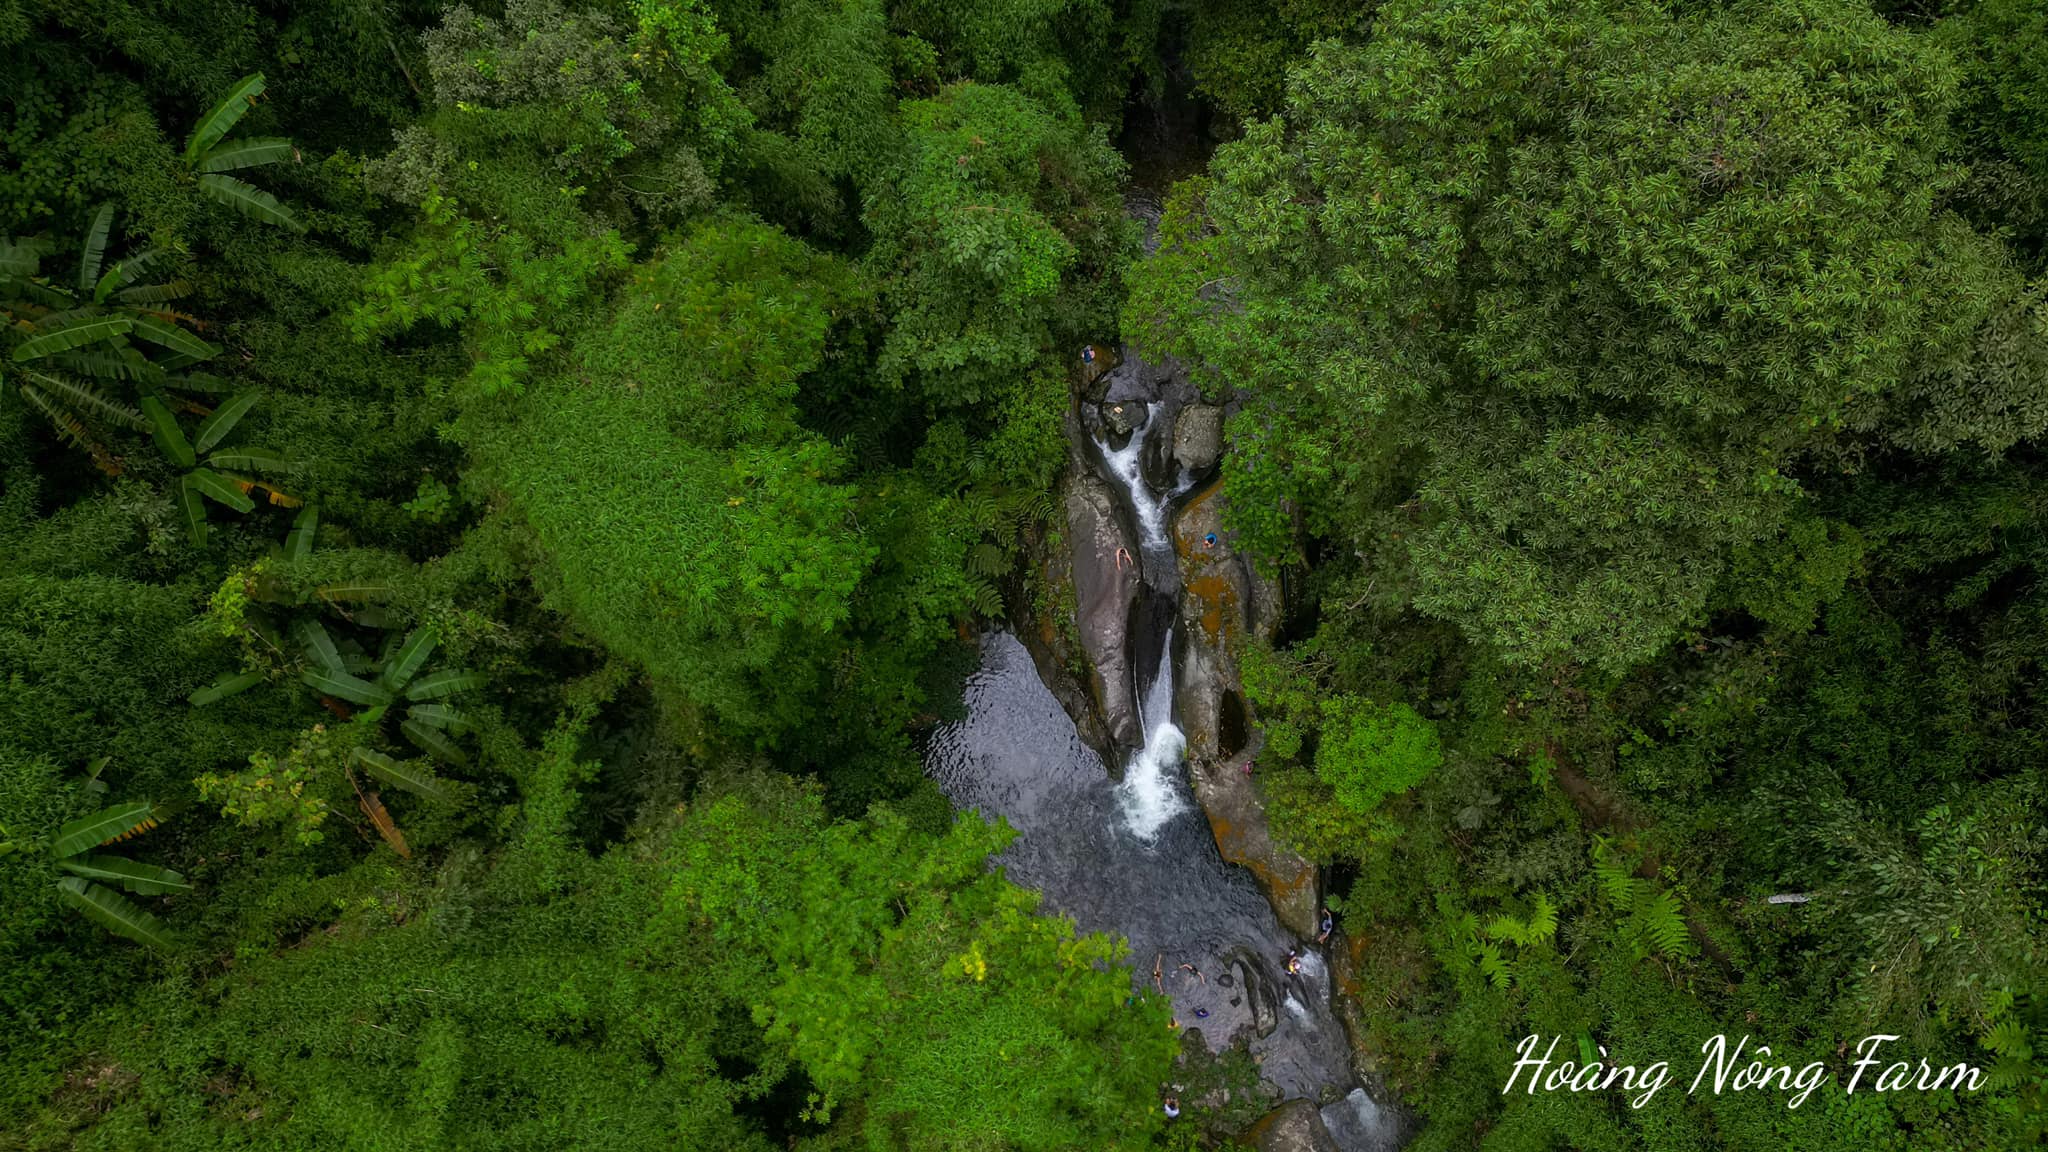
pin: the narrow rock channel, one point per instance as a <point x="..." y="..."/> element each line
<point x="1131" y="847"/>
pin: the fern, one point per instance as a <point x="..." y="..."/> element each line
<point x="987" y="601"/>
<point x="1491" y="965"/>
<point x="1538" y="929"/>
<point x="988" y="561"/>
<point x="1612" y="873"/>
<point x="1659" y="919"/>
<point x="1542" y="920"/>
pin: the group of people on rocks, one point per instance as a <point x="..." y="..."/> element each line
<point x="1325" y="924"/>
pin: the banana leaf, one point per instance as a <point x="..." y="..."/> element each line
<point x="108" y="363"/>
<point x="313" y="637"/>
<point x="95" y="247"/>
<point x="432" y="741"/>
<point x="410" y="657"/>
<point x="249" y="200"/>
<point x="199" y="382"/>
<point x="168" y="335"/>
<point x="114" y="912"/>
<point x="225" y="115"/>
<point x="155" y="293"/>
<point x="225" y="687"/>
<point x="251" y="153"/>
<point x="163" y="428"/>
<point x="410" y="775"/>
<point x="447" y="682"/>
<point x="88" y="400"/>
<point x="216" y="427"/>
<point x="441" y="716"/>
<point x="373" y="807"/>
<point x="343" y="686"/>
<point x="355" y="590"/>
<point x="137" y="877"/>
<point x="298" y="543"/>
<point x="249" y="459"/>
<point x="219" y="488"/>
<point x="18" y="258"/>
<point x="194" y="509"/>
<point x="77" y="335"/>
<point x="103" y="827"/>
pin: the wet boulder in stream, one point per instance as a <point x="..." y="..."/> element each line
<point x="1106" y="583"/>
<point x="1198" y="437"/>
<point x="1295" y="1126"/>
<point x="1122" y="417"/>
<point x="1216" y="614"/>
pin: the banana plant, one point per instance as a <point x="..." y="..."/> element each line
<point x="94" y="876"/>
<point x="397" y="684"/>
<point x="79" y="342"/>
<point x="267" y="600"/>
<point x="210" y="155"/>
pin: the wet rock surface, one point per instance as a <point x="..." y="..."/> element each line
<point x="1295" y="1126"/>
<point x="1214" y="610"/>
<point x="1198" y="437"/>
<point x="1173" y="897"/>
<point x="1106" y="581"/>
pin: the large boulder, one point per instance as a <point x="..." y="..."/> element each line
<point x="1198" y="437"/>
<point x="1106" y="582"/>
<point x="1295" y="1126"/>
<point x="1122" y="417"/>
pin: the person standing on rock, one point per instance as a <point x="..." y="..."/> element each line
<point x="1328" y="925"/>
<point x="1293" y="962"/>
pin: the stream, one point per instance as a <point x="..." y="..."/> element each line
<point x="1135" y="857"/>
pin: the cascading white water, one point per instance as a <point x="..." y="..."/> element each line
<point x="1150" y="794"/>
<point x="1128" y="465"/>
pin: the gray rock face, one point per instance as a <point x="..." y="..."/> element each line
<point x="1198" y="437"/>
<point x="1292" y="1127"/>
<point x="1123" y="416"/>
<point x="1216" y="610"/>
<point x="1106" y="581"/>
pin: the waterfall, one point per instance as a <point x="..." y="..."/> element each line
<point x="1151" y="795"/>
<point x="1127" y="464"/>
<point x="1123" y="855"/>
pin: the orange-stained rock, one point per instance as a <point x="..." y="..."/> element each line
<point x="1210" y="701"/>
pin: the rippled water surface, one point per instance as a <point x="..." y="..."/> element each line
<point x="1017" y="755"/>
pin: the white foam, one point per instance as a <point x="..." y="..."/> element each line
<point x="1355" y="1121"/>
<point x="1149" y="796"/>
<point x="1128" y="465"/>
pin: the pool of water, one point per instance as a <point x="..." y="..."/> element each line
<point x="1169" y="893"/>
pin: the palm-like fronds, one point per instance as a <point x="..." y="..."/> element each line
<point x="210" y="154"/>
<point x="82" y="397"/>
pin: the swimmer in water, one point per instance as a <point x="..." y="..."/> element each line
<point x="1293" y="962"/>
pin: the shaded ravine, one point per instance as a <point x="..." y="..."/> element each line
<point x="1136" y="857"/>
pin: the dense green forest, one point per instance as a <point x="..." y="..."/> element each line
<point x="494" y="497"/>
